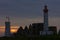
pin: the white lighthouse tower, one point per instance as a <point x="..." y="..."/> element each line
<point x="45" y="10"/>
<point x="45" y="28"/>
<point x="7" y="27"/>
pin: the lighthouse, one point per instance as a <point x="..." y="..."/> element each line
<point x="45" y="28"/>
<point x="45" y="10"/>
<point x="7" y="27"/>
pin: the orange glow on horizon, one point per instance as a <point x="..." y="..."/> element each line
<point x="13" y="30"/>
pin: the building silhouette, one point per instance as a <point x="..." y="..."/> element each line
<point x="20" y="31"/>
<point x="26" y="31"/>
<point x="37" y="29"/>
<point x="34" y="30"/>
<point x="53" y="29"/>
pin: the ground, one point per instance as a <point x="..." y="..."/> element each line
<point x="51" y="37"/>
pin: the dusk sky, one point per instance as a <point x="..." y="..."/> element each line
<point x="25" y="12"/>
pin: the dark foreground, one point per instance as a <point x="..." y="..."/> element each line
<point x="55" y="37"/>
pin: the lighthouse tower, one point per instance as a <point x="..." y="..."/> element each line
<point x="45" y="10"/>
<point x="7" y="27"/>
<point x="45" y="28"/>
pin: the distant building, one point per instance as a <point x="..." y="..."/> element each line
<point x="20" y="31"/>
<point x="30" y="30"/>
<point x="36" y="28"/>
<point x="26" y="31"/>
<point x="53" y="29"/>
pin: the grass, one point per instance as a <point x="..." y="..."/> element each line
<point x="50" y="37"/>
